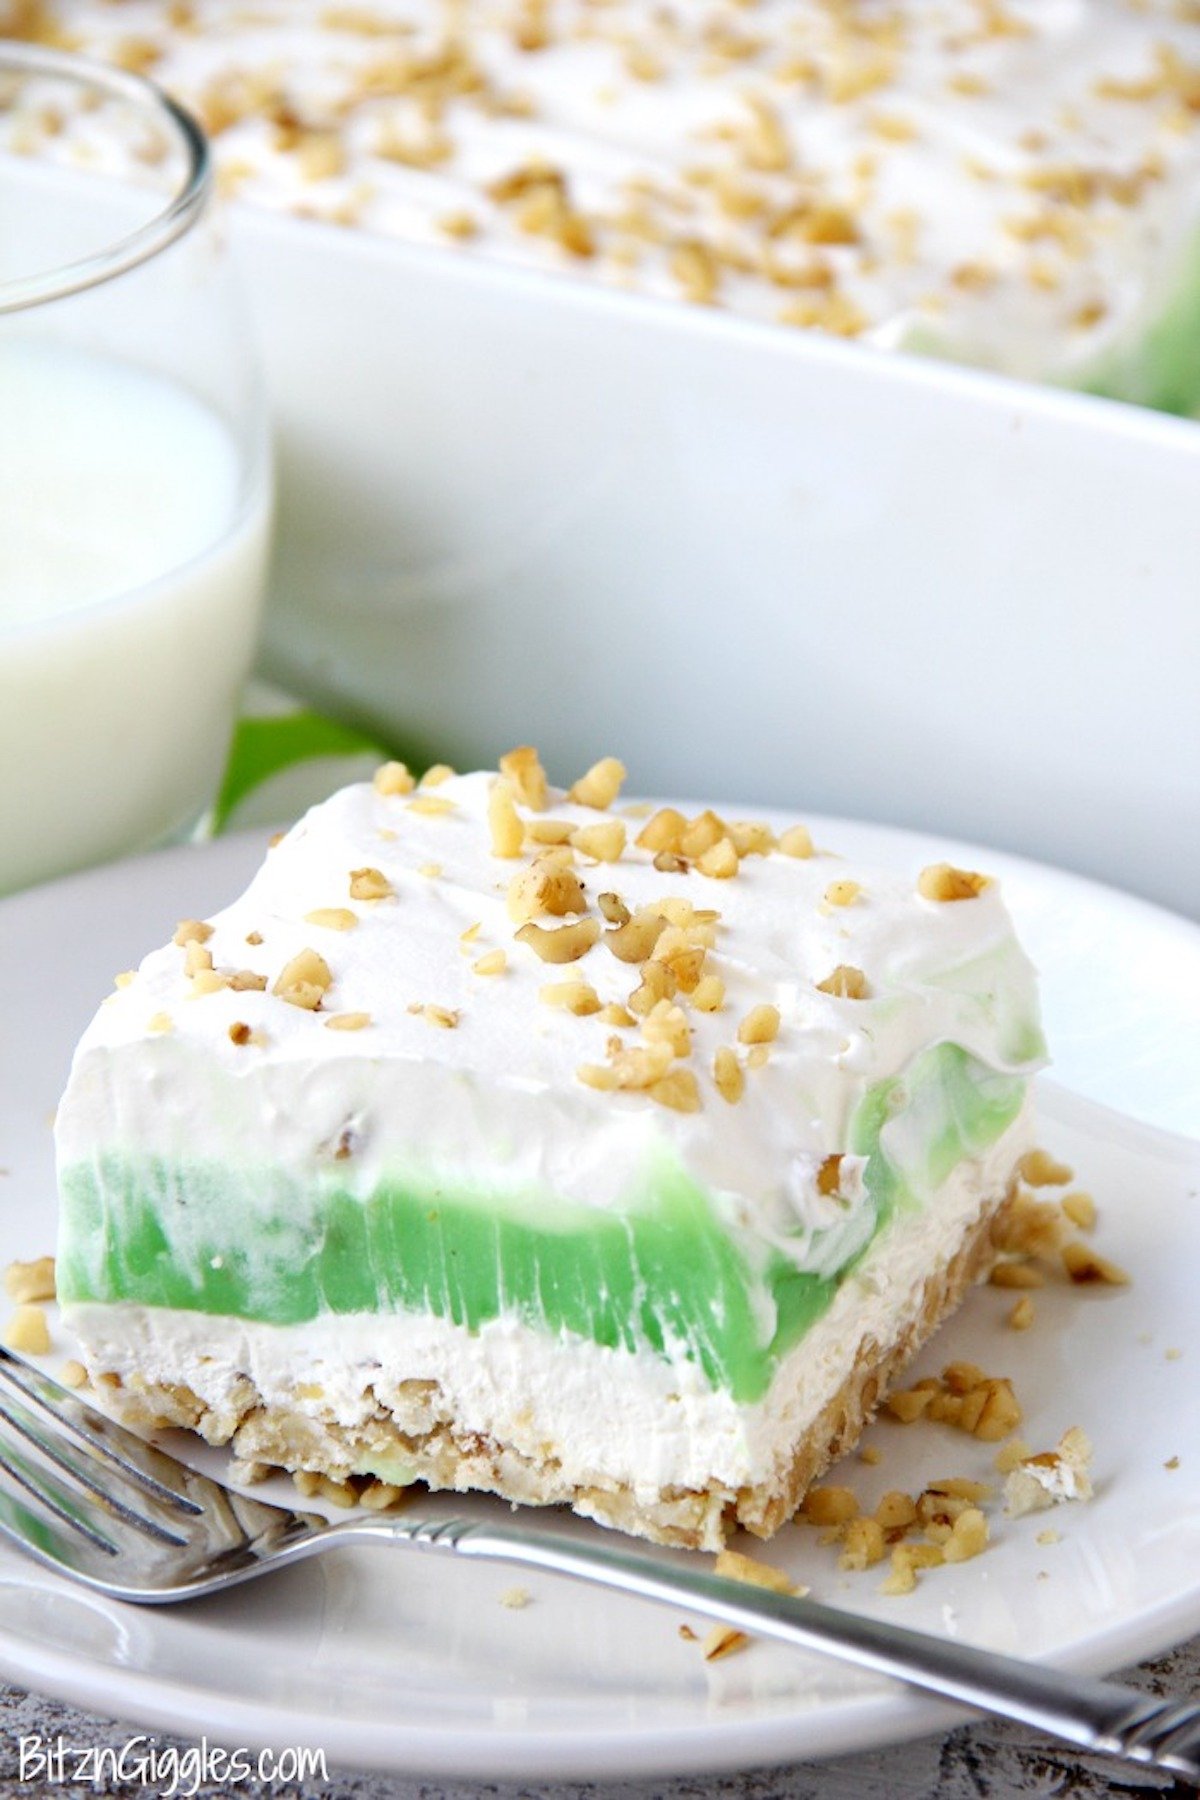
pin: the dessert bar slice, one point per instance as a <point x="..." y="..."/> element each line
<point x="506" y="1139"/>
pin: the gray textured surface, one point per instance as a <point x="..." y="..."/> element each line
<point x="980" y="1762"/>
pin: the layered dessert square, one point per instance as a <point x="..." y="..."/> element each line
<point x="509" y="1139"/>
<point x="1000" y="181"/>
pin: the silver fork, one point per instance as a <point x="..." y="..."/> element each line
<point x="94" y="1502"/>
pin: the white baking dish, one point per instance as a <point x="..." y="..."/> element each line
<point x="757" y="563"/>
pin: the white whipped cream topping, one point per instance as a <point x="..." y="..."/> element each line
<point x="496" y="1105"/>
<point x="602" y="1414"/>
<point x="1020" y="176"/>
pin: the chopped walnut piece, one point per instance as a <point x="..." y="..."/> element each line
<point x="1039" y="1169"/>
<point x="720" y="861"/>
<point x="492" y="962"/>
<point x="616" y="1014"/>
<point x="333" y="918"/>
<point x="29" y="1281"/>
<point x="830" y="1505"/>
<point x="845" y="983"/>
<point x="796" y="841"/>
<point x="657" y="984"/>
<point x="27" y="1331"/>
<point x="729" y="1075"/>
<point x="760" y="1025"/>
<point x="634" y="942"/>
<point x="613" y="908"/>
<point x="383" y="1496"/>
<point x="1030" y="1227"/>
<point x="683" y="962"/>
<point x="392" y="778"/>
<point x="161" y="1022"/>
<point x="560" y="944"/>
<point x="600" y="786"/>
<point x="663" y="830"/>
<point x="192" y="931"/>
<point x="912" y="1403"/>
<point x="304" y="980"/>
<point x="906" y="1560"/>
<point x="723" y="1640"/>
<point x="842" y="893"/>
<point x="545" y="886"/>
<point x="708" y="995"/>
<point x="1080" y="1208"/>
<point x="597" y="1075"/>
<point x="239" y="1032"/>
<point x="204" y="981"/>
<point x="523" y="768"/>
<point x="436" y="774"/>
<point x="442" y="1016"/>
<point x="603" y="843"/>
<point x="196" y="958"/>
<point x="942" y="881"/>
<point x="863" y="1544"/>
<point x="699" y="834"/>
<point x="896" y="1511"/>
<point x="1021" y="1315"/>
<point x="1016" y="1275"/>
<point x="431" y="806"/>
<point x="968" y="1536"/>
<point x="961" y="1377"/>
<point x="577" y="997"/>
<point x="1087" y="1267"/>
<point x="348" y="1021"/>
<point x="751" y="837"/>
<point x="549" y="831"/>
<point x="504" y="821"/>
<point x="735" y="1567"/>
<point x="247" y="981"/>
<point x="679" y="1090"/>
<point x="666" y="1023"/>
<point x="370" y="884"/>
<point x="943" y="1500"/>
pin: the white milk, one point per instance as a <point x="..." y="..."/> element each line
<point x="131" y="572"/>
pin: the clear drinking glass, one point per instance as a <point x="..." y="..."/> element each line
<point x="135" y="489"/>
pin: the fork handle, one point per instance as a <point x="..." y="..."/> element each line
<point x="1099" y="1715"/>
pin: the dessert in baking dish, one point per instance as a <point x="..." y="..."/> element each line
<point x="499" y="1139"/>
<point x="1002" y="181"/>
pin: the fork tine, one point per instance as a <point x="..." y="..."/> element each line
<point x="47" y="1492"/>
<point x="96" y="1432"/>
<point x="61" y="1455"/>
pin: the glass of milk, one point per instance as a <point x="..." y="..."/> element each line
<point x="134" y="470"/>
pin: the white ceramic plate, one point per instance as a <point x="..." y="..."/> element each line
<point x="409" y="1664"/>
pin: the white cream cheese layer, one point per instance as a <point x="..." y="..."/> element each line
<point x="494" y="1103"/>
<point x="641" y="1420"/>
<point x="1016" y="179"/>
